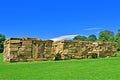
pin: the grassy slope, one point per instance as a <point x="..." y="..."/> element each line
<point x="87" y="69"/>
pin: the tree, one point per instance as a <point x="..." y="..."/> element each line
<point x="105" y="35"/>
<point x="2" y="39"/>
<point x="92" y="38"/>
<point x="117" y="40"/>
<point x="117" y="35"/>
<point x="82" y="38"/>
<point x="111" y="39"/>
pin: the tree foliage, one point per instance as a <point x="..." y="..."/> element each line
<point x="117" y="39"/>
<point x="2" y="39"/>
<point x="91" y="38"/>
<point x="106" y="35"/>
<point x="82" y="38"/>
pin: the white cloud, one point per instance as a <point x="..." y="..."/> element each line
<point x="93" y="29"/>
<point x="63" y="37"/>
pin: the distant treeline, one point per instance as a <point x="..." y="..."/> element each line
<point x="104" y="36"/>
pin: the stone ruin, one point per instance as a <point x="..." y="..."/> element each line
<point x="33" y="49"/>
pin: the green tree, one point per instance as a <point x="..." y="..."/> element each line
<point x="117" y="35"/>
<point x="2" y="39"/>
<point x="92" y="38"/>
<point x="111" y="39"/>
<point x="105" y="35"/>
<point x="117" y="40"/>
<point x="82" y="38"/>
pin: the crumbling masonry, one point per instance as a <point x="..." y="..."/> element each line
<point x="32" y="49"/>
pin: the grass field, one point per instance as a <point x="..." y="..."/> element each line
<point x="87" y="69"/>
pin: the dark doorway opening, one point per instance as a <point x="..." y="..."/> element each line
<point x="94" y="55"/>
<point x="58" y="56"/>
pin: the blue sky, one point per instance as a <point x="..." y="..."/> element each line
<point x="49" y="19"/>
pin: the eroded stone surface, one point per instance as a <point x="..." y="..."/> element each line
<point x="33" y="49"/>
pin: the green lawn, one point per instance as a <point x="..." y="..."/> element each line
<point x="87" y="69"/>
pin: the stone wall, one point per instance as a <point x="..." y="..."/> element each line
<point x="33" y="49"/>
<point x="75" y="49"/>
<point x="27" y="49"/>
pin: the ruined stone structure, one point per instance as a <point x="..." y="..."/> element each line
<point x="32" y="49"/>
